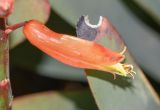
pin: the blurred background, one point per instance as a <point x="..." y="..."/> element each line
<point x="138" y="22"/>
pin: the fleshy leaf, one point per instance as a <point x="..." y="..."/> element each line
<point x="26" y="10"/>
<point x="152" y="7"/>
<point x="53" y="100"/>
<point x="113" y="94"/>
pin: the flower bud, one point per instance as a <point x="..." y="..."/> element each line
<point x="6" y="8"/>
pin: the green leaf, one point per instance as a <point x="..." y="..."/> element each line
<point x="152" y="7"/>
<point x="137" y="92"/>
<point x="141" y="38"/>
<point x="122" y="93"/>
<point x="27" y="10"/>
<point x="52" y="100"/>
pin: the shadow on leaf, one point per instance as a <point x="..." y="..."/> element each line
<point x="122" y="82"/>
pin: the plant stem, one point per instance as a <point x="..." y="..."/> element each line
<point x="5" y="88"/>
<point x="11" y="28"/>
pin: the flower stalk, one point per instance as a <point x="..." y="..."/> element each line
<point x="5" y="88"/>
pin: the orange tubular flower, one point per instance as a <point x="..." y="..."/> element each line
<point x="75" y="51"/>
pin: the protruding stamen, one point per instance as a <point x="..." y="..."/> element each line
<point x="132" y="75"/>
<point x="129" y="69"/>
<point x="114" y="76"/>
